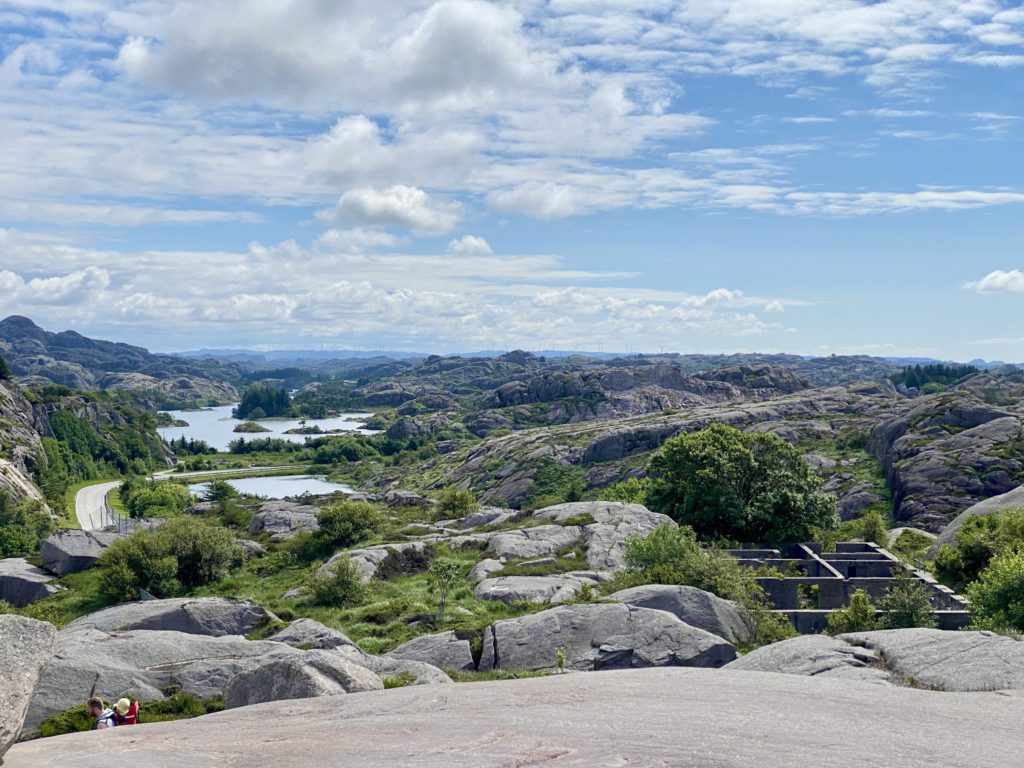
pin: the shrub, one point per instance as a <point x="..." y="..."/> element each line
<point x="997" y="597"/>
<point x="874" y="529"/>
<point x="346" y="523"/>
<point x="182" y="554"/>
<point x="979" y="540"/>
<point x="341" y="585"/>
<point x="906" y="604"/>
<point x="23" y="524"/>
<point x="631" y="491"/>
<point x="456" y="502"/>
<point x="858" y="616"/>
<point x="729" y="484"/>
<point x="153" y="498"/>
<point x="444" y="577"/>
<point x="5" y="370"/>
<point x="219" y="491"/>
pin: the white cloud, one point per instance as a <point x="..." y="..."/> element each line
<point x="999" y="281"/>
<point x="62" y="289"/>
<point x="470" y="244"/>
<point x="356" y="240"/>
<point x="396" y="206"/>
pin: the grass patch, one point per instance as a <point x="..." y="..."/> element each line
<point x="178" y="706"/>
<point x="468" y="676"/>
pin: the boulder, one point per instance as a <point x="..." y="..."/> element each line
<point x="26" y="646"/>
<point x="404" y="558"/>
<point x="283" y="519"/>
<point x="213" y="616"/>
<point x="406" y="499"/>
<point x="70" y="550"/>
<point x="144" y="662"/>
<point x="604" y="540"/>
<point x="309" y="634"/>
<point x="558" y="588"/>
<point x="529" y="543"/>
<point x="305" y="676"/>
<point x="691" y="605"/>
<point x="948" y="661"/>
<point x="484" y="569"/>
<point x="598" y="637"/>
<point x="251" y="548"/>
<point x="644" y="718"/>
<point x="815" y="655"/>
<point x="487" y="516"/>
<point x="22" y="583"/>
<point x="443" y="650"/>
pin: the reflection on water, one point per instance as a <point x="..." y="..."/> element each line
<point x="279" y="487"/>
<point x="215" y="426"/>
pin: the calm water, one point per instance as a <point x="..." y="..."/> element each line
<point x="279" y="487"/>
<point x="215" y="425"/>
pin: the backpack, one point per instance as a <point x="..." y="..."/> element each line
<point x="108" y="719"/>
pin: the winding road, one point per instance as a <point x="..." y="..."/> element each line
<point x="91" y="501"/>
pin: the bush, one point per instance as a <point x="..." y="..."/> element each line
<point x="728" y="484"/>
<point x="456" y="502"/>
<point x="154" y="498"/>
<point x="219" y="491"/>
<point x="342" y="585"/>
<point x="874" y="529"/>
<point x="906" y="604"/>
<point x="980" y="539"/>
<point x="631" y="491"/>
<point x="346" y="523"/>
<point x="23" y="524"/>
<point x="5" y="370"/>
<point x="182" y="554"/>
<point x="997" y="597"/>
<point x="858" y="616"/>
<point x="443" y="578"/>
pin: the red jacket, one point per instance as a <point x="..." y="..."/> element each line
<point x="131" y="717"/>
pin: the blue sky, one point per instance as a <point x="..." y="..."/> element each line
<point x="807" y="176"/>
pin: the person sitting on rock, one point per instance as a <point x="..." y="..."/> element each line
<point x="126" y="712"/>
<point x="105" y="718"/>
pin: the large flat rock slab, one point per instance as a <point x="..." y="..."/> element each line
<point x="22" y="583"/>
<point x="213" y="616"/>
<point x="646" y="718"/>
<point x="948" y="661"/>
<point x="815" y="655"/>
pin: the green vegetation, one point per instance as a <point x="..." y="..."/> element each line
<point x="632" y="491"/>
<point x="79" y="451"/>
<point x="341" y="585"/>
<point x="456" y="502"/>
<point x="980" y="539"/>
<point x="858" y="616"/>
<point x="997" y="597"/>
<point x="250" y="427"/>
<point x="911" y="546"/>
<point x="5" y="370"/>
<point x="444" y="577"/>
<point x="919" y="376"/>
<point x="262" y="402"/>
<point x="555" y="483"/>
<point x="182" y="554"/>
<point x="672" y="555"/>
<point x="23" y="524"/>
<point x="191" y="447"/>
<point x="343" y="524"/>
<point x="906" y="604"/>
<point x="728" y="484"/>
<point x="873" y="528"/>
<point x="154" y="498"/>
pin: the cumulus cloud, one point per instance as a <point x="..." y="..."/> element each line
<point x="71" y="288"/>
<point x="469" y="244"/>
<point x="396" y="206"/>
<point x="999" y="281"/>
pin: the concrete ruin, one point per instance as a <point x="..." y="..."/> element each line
<point x="815" y="583"/>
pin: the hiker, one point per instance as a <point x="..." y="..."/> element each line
<point x="105" y="718"/>
<point x="126" y="712"/>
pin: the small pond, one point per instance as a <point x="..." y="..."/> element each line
<point x="279" y="487"/>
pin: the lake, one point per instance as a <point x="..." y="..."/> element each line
<point x="215" y="426"/>
<point x="279" y="487"/>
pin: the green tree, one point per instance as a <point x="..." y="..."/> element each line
<point x="980" y="539"/>
<point x="456" y="502"/>
<point x="443" y="578"/>
<point x="997" y="597"/>
<point x="5" y="370"/>
<point x="346" y="523"/>
<point x="906" y="604"/>
<point x="729" y="484"/>
<point x="219" y="491"/>
<point x="23" y="524"/>
<point x="858" y="616"/>
<point x="632" y="491"/>
<point x="260" y="401"/>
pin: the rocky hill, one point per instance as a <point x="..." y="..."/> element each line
<point x="20" y="443"/>
<point x="39" y="357"/>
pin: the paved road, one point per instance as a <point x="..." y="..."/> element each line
<point x="90" y="501"/>
<point x="701" y="718"/>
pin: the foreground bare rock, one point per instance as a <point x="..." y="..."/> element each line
<point x="645" y="718"/>
<point x="25" y="649"/>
